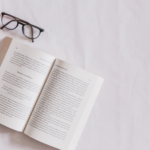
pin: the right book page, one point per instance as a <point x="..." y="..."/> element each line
<point x="63" y="106"/>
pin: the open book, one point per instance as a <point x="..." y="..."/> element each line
<point x="46" y="98"/>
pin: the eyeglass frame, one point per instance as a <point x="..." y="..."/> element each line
<point x="23" y="23"/>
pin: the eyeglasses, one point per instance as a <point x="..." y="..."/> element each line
<point x="29" y="30"/>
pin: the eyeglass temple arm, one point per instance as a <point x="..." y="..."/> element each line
<point x="32" y="34"/>
<point x="17" y="18"/>
<point x="7" y="24"/>
<point x="14" y="17"/>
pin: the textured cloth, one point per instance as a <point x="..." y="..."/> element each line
<point x="110" y="38"/>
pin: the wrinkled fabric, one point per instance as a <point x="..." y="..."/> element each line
<point x="110" y="38"/>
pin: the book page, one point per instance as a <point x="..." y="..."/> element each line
<point x="22" y="75"/>
<point x="61" y="105"/>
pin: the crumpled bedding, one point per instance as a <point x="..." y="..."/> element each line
<point x="110" y="38"/>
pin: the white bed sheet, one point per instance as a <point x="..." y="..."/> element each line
<point x="110" y="38"/>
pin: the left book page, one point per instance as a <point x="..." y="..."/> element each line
<point x="23" y="73"/>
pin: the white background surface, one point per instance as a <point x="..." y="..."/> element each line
<point x="110" y="38"/>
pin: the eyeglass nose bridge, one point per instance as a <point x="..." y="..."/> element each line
<point x="20" y="23"/>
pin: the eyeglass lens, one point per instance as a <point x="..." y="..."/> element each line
<point x="28" y="31"/>
<point x="13" y="23"/>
